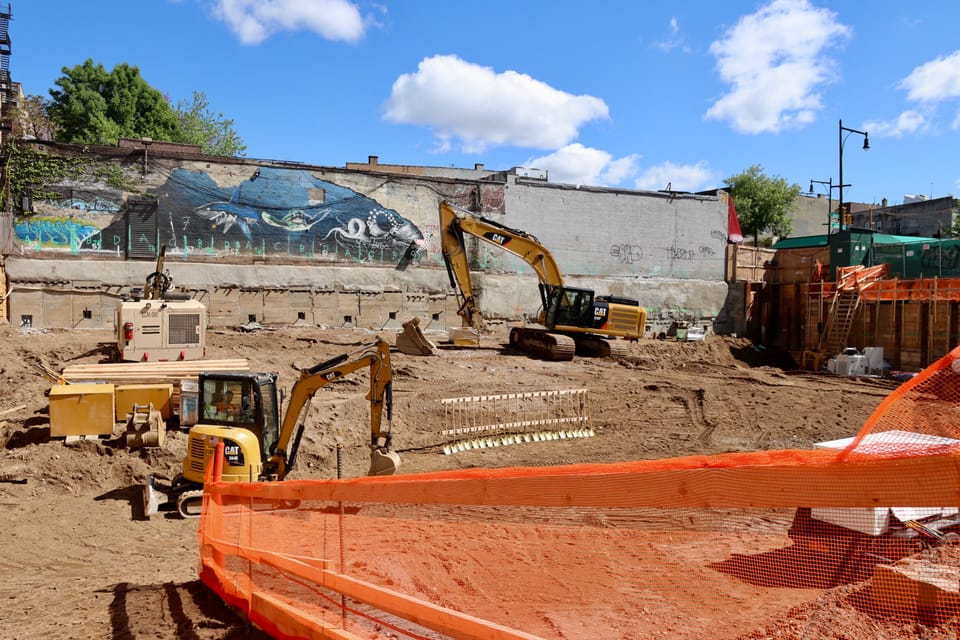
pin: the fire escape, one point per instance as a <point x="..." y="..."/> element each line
<point x="8" y="96"/>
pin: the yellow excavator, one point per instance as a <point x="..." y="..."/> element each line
<point x="575" y="321"/>
<point x="241" y="409"/>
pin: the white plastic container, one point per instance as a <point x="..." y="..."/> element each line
<point x="874" y="356"/>
<point x="189" y="400"/>
<point x="851" y="365"/>
<point x="876" y="521"/>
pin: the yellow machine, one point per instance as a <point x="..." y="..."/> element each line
<point x="160" y="326"/>
<point x="241" y="409"/>
<point x="575" y="320"/>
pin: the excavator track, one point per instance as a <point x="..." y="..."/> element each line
<point x="596" y="347"/>
<point x="190" y="503"/>
<point x="542" y="344"/>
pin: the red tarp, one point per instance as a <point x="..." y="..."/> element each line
<point x="733" y="224"/>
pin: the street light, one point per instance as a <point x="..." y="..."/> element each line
<point x="830" y="188"/>
<point x="843" y="138"/>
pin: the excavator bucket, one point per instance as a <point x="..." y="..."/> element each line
<point x="412" y="341"/>
<point x="383" y="462"/>
<point x="145" y="427"/>
<point x="151" y="497"/>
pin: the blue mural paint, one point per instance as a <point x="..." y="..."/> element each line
<point x="276" y="212"/>
<point x="97" y="205"/>
<point x="290" y="212"/>
<point x="54" y="232"/>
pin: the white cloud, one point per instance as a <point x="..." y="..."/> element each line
<point x="577" y="164"/>
<point x="934" y="81"/>
<point x="676" y="40"/>
<point x="910" y="121"/>
<point x="774" y="62"/>
<point x="253" y="21"/>
<point x="680" y="177"/>
<point x="478" y="107"/>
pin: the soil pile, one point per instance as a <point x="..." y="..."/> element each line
<point x="77" y="565"/>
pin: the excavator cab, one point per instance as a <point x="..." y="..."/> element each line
<point x="569" y="307"/>
<point x="241" y="409"/>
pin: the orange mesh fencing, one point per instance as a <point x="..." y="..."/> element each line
<point x="851" y="539"/>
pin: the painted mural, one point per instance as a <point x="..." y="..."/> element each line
<point x="282" y="212"/>
<point x="71" y="223"/>
<point x="275" y="212"/>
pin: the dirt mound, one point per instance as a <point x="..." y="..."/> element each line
<point x="79" y="566"/>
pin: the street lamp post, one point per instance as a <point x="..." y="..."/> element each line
<point x="843" y="138"/>
<point x="829" y="198"/>
<point x="830" y="187"/>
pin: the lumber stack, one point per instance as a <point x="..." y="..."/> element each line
<point x="149" y="372"/>
<point x="172" y="372"/>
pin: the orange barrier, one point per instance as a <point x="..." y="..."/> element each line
<point x="776" y="544"/>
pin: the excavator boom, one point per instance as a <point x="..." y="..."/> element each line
<point x="453" y="227"/>
<point x="376" y="356"/>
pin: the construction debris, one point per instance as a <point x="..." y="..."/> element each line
<point x="12" y="409"/>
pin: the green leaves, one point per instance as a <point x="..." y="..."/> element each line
<point x="763" y="203"/>
<point x="213" y="132"/>
<point x="93" y="106"/>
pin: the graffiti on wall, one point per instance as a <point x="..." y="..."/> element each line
<point x="274" y="212"/>
<point x="73" y="223"/>
<point x="282" y="212"/>
<point x="67" y="233"/>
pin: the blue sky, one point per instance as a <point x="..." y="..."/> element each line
<point x="611" y="93"/>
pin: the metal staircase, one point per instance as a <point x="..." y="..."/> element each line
<point x="843" y="309"/>
<point x="851" y="282"/>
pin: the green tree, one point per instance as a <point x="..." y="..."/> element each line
<point x="763" y="203"/>
<point x="94" y="106"/>
<point x="214" y="133"/>
<point x="30" y="119"/>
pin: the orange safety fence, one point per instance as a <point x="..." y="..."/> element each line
<point x="851" y="539"/>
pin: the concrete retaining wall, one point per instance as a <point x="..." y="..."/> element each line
<point x="84" y="294"/>
<point x="283" y="243"/>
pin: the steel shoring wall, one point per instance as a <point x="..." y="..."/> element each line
<point x="729" y="546"/>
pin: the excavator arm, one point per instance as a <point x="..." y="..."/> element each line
<point x="376" y="356"/>
<point x="455" y="224"/>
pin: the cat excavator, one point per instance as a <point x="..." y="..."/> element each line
<point x="241" y="409"/>
<point x="574" y="320"/>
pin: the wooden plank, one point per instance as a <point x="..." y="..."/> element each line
<point x="453" y="624"/>
<point x="292" y="621"/>
<point x="150" y="372"/>
<point x="914" y="585"/>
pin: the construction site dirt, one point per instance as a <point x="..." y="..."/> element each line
<point x="78" y="564"/>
